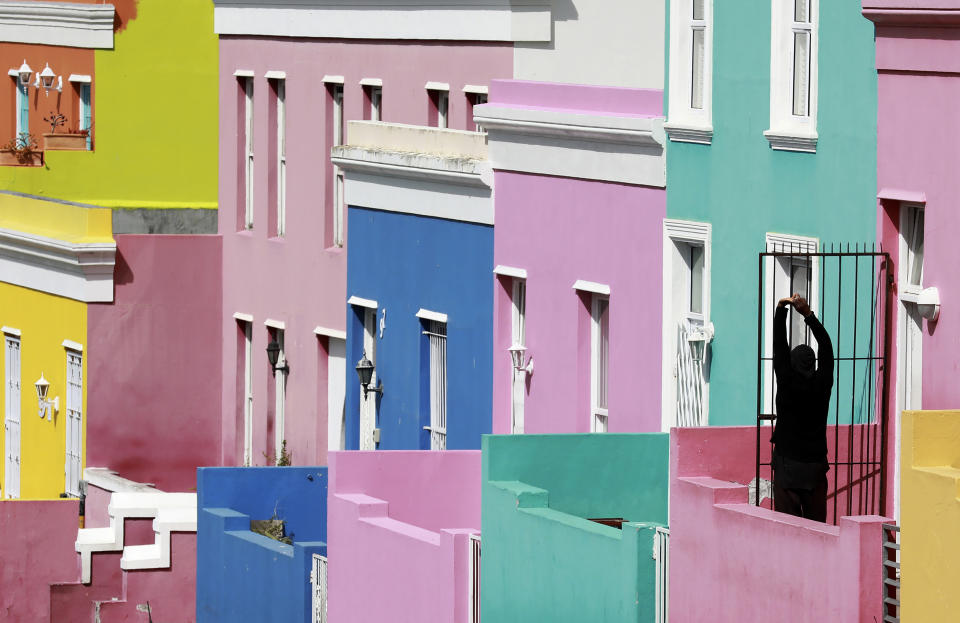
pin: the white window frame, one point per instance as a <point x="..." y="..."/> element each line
<point x="248" y="146"/>
<point x="436" y="333"/>
<point x="13" y="423"/>
<point x="790" y="132"/>
<point x="368" y="401"/>
<point x="336" y="93"/>
<point x="247" y="391"/>
<point x="281" y="95"/>
<point x="442" y="91"/>
<point x="280" y="385"/>
<point x="73" y="462"/>
<point x="376" y="102"/>
<point x="776" y="275"/>
<point x="599" y="416"/>
<point x="518" y="335"/>
<point x="678" y="235"/>
<point x="686" y="123"/>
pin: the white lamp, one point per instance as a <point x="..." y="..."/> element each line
<point x="45" y="406"/>
<point x="928" y="303"/>
<point x="516" y="356"/>
<point x="24" y="74"/>
<point x="47" y="77"/>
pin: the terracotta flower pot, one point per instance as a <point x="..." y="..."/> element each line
<point x="76" y="142"/>
<point x="8" y="158"/>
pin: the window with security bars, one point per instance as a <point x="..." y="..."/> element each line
<point x="437" y="337"/>
<point x="11" y="485"/>
<point x="600" y="364"/>
<point x="74" y="457"/>
<point x="318" y="578"/>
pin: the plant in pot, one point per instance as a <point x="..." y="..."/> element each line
<point x="21" y="151"/>
<point x="72" y="140"/>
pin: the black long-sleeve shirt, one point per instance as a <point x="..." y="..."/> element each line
<point x="803" y="404"/>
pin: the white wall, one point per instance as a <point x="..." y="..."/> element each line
<point x="599" y="42"/>
<point x="336" y="382"/>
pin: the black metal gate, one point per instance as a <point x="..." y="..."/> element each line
<point x="850" y="292"/>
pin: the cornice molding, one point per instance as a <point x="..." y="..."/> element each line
<point x="80" y="271"/>
<point x="57" y="23"/>
<point x="446" y="170"/>
<point x="452" y="20"/>
<point x="784" y="141"/>
<point x="683" y="133"/>
<point x="895" y="16"/>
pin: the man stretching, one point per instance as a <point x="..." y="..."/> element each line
<point x="803" y="402"/>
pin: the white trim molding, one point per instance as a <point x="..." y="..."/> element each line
<point x="476" y="89"/>
<point x="691" y="72"/>
<point x="82" y="271"/>
<point x="10" y="331"/>
<point x="571" y="144"/>
<point x="275" y="324"/>
<point x="436" y="86"/>
<point x="451" y="20"/>
<point x="331" y="79"/>
<point x="244" y="73"/>
<point x="243" y="317"/>
<point x="426" y="314"/>
<point x="790" y="243"/>
<point x="510" y="271"/>
<point x="356" y="301"/>
<point x="275" y="74"/>
<point x="591" y="286"/>
<point x="328" y="332"/>
<point x="82" y="78"/>
<point x="57" y="23"/>
<point x="371" y="82"/>
<point x="793" y="96"/>
<point x="71" y="345"/>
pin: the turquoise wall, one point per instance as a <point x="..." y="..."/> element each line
<point x="746" y="189"/>
<point x="542" y="560"/>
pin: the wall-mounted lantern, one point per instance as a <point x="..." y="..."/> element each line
<point x="24" y="74"/>
<point x="928" y="303"/>
<point x="273" y="356"/>
<point x="516" y="357"/>
<point x="47" y="77"/>
<point x="365" y="372"/>
<point x="698" y="340"/>
<point x="45" y="406"/>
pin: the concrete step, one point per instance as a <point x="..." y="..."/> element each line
<point x="145" y="556"/>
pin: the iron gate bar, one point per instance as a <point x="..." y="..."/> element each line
<point x="865" y="464"/>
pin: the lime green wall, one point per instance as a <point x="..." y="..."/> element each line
<point x="542" y="560"/>
<point x="746" y="189"/>
<point x="155" y="118"/>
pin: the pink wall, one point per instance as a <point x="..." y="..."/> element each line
<point x="398" y="534"/>
<point x="778" y="566"/>
<point x="153" y="362"/>
<point x="301" y="279"/>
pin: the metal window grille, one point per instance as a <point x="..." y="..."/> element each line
<point x="661" y="554"/>
<point x="437" y="336"/>
<point x="474" y="578"/>
<point x="12" y="419"/>
<point x="318" y="580"/>
<point x="690" y="381"/>
<point x="853" y="295"/>
<point x="74" y="423"/>
<point x="891" y="573"/>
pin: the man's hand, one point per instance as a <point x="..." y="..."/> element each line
<point x="800" y="304"/>
<point x="785" y="301"/>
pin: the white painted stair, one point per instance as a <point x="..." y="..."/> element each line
<point x="171" y="512"/>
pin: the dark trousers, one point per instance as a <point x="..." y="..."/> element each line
<point x="807" y="503"/>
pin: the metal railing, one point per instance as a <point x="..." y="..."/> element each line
<point x="474" y="578"/>
<point x="318" y="580"/>
<point x="849" y="289"/>
<point x="891" y="573"/>
<point x="661" y="554"/>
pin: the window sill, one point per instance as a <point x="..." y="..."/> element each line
<point x="689" y="133"/>
<point x="784" y="140"/>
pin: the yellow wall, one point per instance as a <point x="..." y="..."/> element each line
<point x="930" y="516"/>
<point x="44" y="321"/>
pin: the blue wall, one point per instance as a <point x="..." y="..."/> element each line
<point x="405" y="263"/>
<point x="243" y="576"/>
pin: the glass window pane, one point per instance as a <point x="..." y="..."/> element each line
<point x="603" y="351"/>
<point x="801" y="11"/>
<point x="696" y="279"/>
<point x="801" y="70"/>
<point x="698" y="9"/>
<point x="915" y="248"/>
<point x="696" y="86"/>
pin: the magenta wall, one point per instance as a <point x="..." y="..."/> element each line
<point x="154" y="362"/>
<point x="398" y="534"/>
<point x="301" y="279"/>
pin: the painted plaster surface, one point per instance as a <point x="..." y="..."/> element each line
<point x="929" y="515"/>
<point x="406" y="263"/>
<point x="40" y="554"/>
<point x="151" y="150"/>
<point x="267" y="278"/>
<point x="561" y="230"/>
<point x="159" y="342"/>
<point x="746" y="189"/>
<point x="399" y="534"/>
<point x="590" y="41"/>
<point x="243" y="576"/>
<point x="44" y="321"/>
<point x="802" y="569"/>
<point x="542" y="559"/>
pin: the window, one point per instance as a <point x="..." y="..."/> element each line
<point x="280" y="394"/>
<point x="74" y="432"/>
<point x="691" y="70"/>
<point x="245" y="370"/>
<point x="439" y="104"/>
<point x="335" y="91"/>
<point x="23" y="108"/>
<point x="373" y="96"/>
<point x="281" y="95"/>
<point x="436" y="333"/>
<point x="600" y="362"/>
<point x="246" y="133"/>
<point x="368" y="400"/>
<point x="476" y="95"/>
<point x="793" y="75"/>
<point x="86" y="113"/>
<point x="11" y="437"/>
<point x="518" y="336"/>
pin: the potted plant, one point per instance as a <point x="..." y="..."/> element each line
<point x="72" y="140"/>
<point x="21" y="151"/>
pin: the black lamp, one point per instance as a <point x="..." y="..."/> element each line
<point x="365" y="372"/>
<point x="273" y="355"/>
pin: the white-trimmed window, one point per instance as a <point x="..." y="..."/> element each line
<point x="281" y="93"/>
<point x="246" y="381"/>
<point x="74" y="433"/>
<point x="280" y="393"/>
<point x="83" y="83"/>
<point x="599" y="362"/>
<point x="22" y="108"/>
<point x="246" y="83"/>
<point x="687" y="329"/>
<point x="438" y="112"/>
<point x="335" y="91"/>
<point x="691" y="71"/>
<point x="518" y="337"/>
<point x="476" y="96"/>
<point x="436" y="333"/>
<point x="373" y="98"/>
<point x="11" y="485"/>
<point x="793" y="75"/>
<point x="368" y="433"/>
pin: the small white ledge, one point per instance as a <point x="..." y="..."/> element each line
<point x="77" y="346"/>
<point x="275" y="75"/>
<point x="327" y="332"/>
<point x="244" y="73"/>
<point x="687" y="133"/>
<point x="426" y="314"/>
<point x="80" y="78"/>
<point x="786" y="141"/>
<point x="275" y="324"/>
<point x="356" y="301"/>
<point x="476" y="88"/>
<point x="436" y="86"/>
<point x="332" y="79"/>
<point x="371" y="82"/>
<point x="592" y="286"/>
<point x="10" y="331"/>
<point x="510" y="271"/>
<point x="243" y="317"/>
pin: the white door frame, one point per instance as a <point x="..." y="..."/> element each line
<point x="12" y="423"/>
<point x="73" y="468"/>
<point x="247" y="393"/>
<point x="518" y="378"/>
<point x="368" y="402"/>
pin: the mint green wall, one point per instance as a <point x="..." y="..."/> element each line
<point x="745" y="189"/>
<point x="155" y="118"/>
<point x="542" y="560"/>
